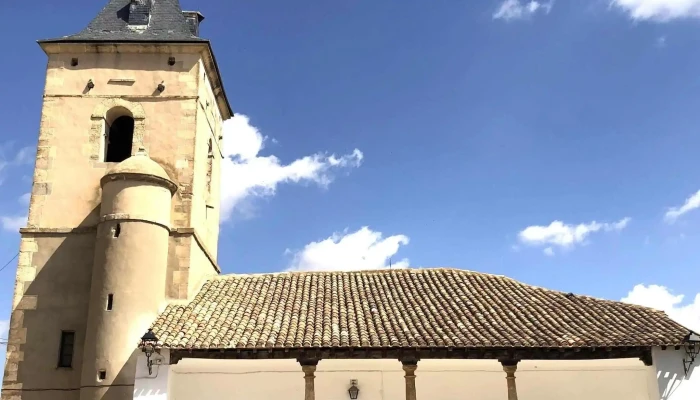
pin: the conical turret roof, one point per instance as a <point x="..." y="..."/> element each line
<point x="138" y="166"/>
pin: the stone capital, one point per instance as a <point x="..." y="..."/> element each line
<point x="410" y="367"/>
<point x="509" y="366"/>
<point x="308" y="366"/>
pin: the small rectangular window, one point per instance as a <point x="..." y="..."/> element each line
<point x="116" y="230"/>
<point x="101" y="375"/>
<point x="65" y="357"/>
<point x="110" y="301"/>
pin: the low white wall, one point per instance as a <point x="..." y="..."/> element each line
<point x="627" y="379"/>
<point x="383" y="380"/>
<point x="673" y="384"/>
<point x="156" y="385"/>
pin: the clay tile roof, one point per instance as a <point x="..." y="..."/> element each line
<point x="417" y="308"/>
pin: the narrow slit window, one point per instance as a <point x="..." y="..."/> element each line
<point x="110" y="301"/>
<point x="65" y="357"/>
<point x="120" y="137"/>
<point x="210" y="165"/>
<point x="117" y="230"/>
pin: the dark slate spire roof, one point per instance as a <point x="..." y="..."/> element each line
<point x="125" y="20"/>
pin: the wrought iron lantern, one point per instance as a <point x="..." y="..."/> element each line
<point x="148" y="345"/>
<point x="354" y="391"/>
<point x="692" y="349"/>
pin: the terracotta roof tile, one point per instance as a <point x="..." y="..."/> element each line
<point x="403" y="308"/>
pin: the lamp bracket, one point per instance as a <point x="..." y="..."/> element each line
<point x="692" y="349"/>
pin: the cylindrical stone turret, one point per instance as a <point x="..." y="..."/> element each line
<point x="129" y="274"/>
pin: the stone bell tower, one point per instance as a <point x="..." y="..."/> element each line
<point x="124" y="209"/>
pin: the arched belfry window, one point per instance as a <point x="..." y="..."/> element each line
<point x="119" y="135"/>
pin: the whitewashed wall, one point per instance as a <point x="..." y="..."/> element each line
<point x="672" y="382"/>
<point x="156" y="385"/>
<point x="627" y="379"/>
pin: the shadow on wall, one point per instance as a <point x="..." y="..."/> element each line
<point x="154" y="386"/>
<point x="54" y="302"/>
<point x="671" y="376"/>
<point x="150" y="393"/>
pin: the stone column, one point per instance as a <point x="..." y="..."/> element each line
<point x="410" y="368"/>
<point x="309" y="367"/>
<point x="510" y="366"/>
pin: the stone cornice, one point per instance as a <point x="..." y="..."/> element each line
<point x="202" y="48"/>
<point x="33" y="231"/>
<point x="133" y="176"/>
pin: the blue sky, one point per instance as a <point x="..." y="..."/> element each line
<point x="555" y="143"/>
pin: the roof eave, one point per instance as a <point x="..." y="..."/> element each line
<point x="78" y="40"/>
<point x="221" y="80"/>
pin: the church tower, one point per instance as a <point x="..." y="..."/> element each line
<point x="124" y="209"/>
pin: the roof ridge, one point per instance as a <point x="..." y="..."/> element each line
<point x="372" y="271"/>
<point x="433" y="269"/>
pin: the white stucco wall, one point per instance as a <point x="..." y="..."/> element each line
<point x="626" y="379"/>
<point x="156" y="385"/>
<point x="672" y="382"/>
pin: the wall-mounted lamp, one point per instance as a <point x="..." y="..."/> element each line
<point x="148" y="345"/>
<point x="692" y="349"/>
<point x="161" y="87"/>
<point x="90" y="84"/>
<point x="354" y="391"/>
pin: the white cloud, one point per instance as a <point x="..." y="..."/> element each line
<point x="24" y="199"/>
<point x="4" y="333"/>
<point x="565" y="236"/>
<point x="246" y="174"/>
<point x="661" y="298"/>
<point x="521" y="9"/>
<point x="25" y="155"/>
<point x="659" y="10"/>
<point x="661" y="41"/>
<point x="4" y="328"/>
<point x="13" y="224"/>
<point x="360" y="250"/>
<point x="691" y="203"/>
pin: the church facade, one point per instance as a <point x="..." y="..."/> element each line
<point x="118" y="293"/>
